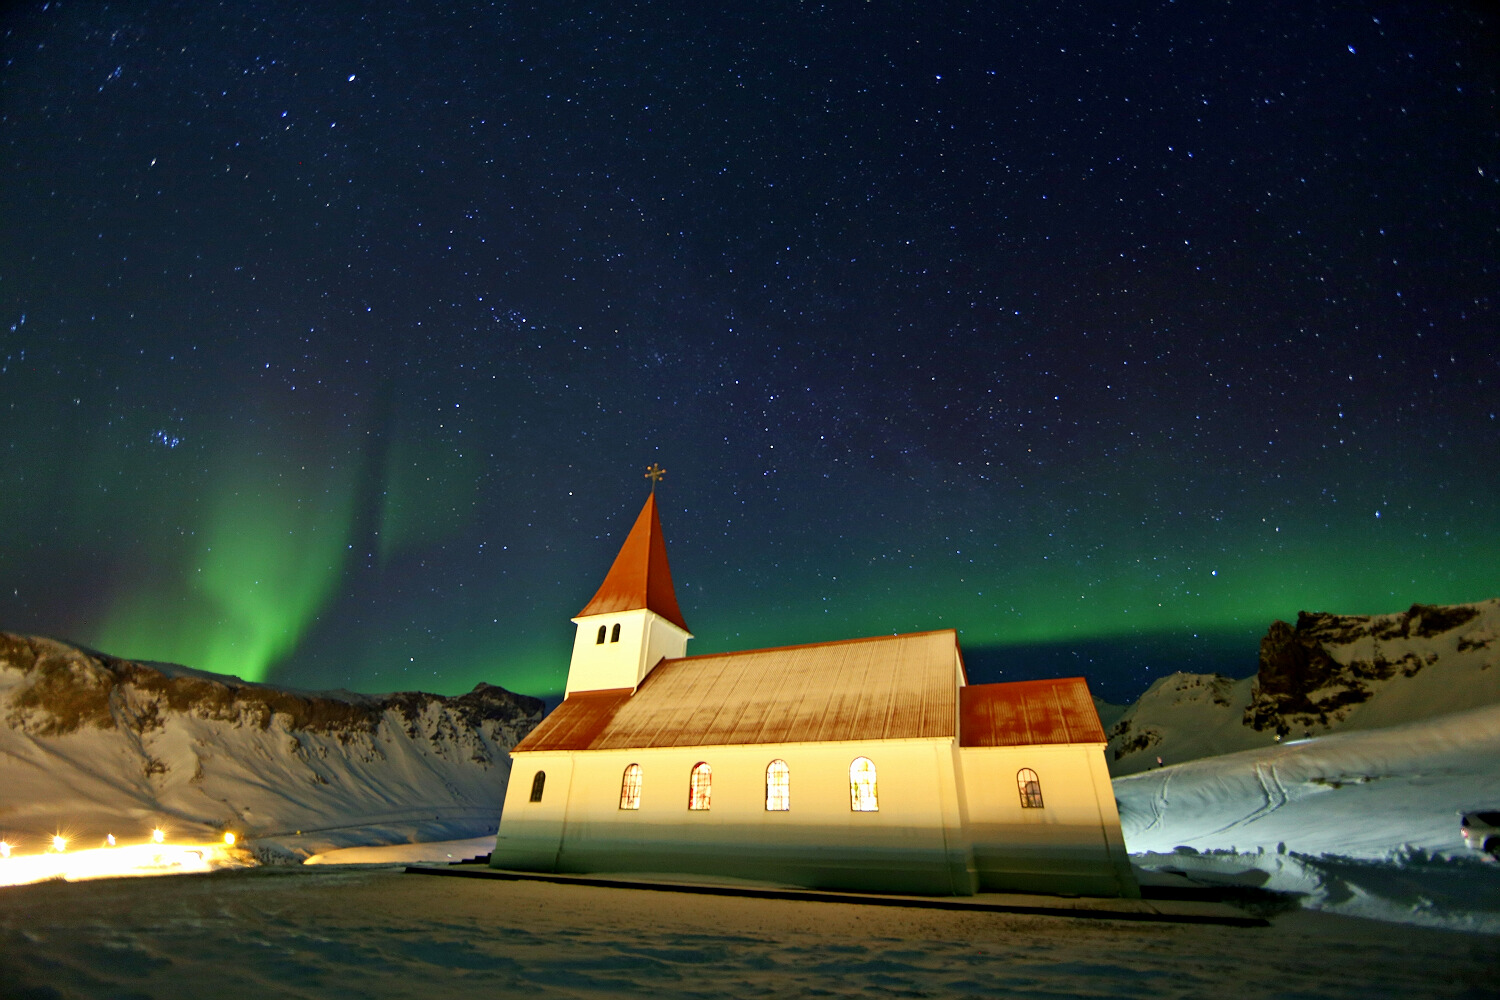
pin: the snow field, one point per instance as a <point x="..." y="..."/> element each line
<point x="329" y="932"/>
<point x="1363" y="822"/>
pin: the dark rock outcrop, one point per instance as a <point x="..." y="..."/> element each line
<point x="1302" y="684"/>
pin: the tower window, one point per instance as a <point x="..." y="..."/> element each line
<point x="614" y="634"/>
<point x="1030" y="787"/>
<point x="600" y="641"/>
<point x="630" y="788"/>
<point x="778" y="786"/>
<point x="862" y="796"/>
<point x="700" y="786"/>
<point x="537" y="784"/>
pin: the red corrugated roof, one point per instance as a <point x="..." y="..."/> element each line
<point x="640" y="576"/>
<point x="577" y="722"/>
<point x="886" y="687"/>
<point x="1026" y="713"/>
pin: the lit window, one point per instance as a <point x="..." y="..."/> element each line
<point x="600" y="641"/>
<point x="630" y="788"/>
<point x="862" y="786"/>
<point x="536" y="786"/>
<point x="614" y="635"/>
<point x="778" y="786"/>
<point x="1030" y="787"/>
<point x="700" y="786"/>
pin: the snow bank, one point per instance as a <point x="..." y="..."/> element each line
<point x="1455" y="893"/>
<point x="407" y="854"/>
<point x="1364" y="823"/>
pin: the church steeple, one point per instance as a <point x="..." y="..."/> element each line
<point x="640" y="577"/>
<point x="633" y="621"/>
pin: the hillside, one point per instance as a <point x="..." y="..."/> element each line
<point x="92" y="745"/>
<point x="1326" y="673"/>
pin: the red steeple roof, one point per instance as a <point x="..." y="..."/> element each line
<point x="640" y="576"/>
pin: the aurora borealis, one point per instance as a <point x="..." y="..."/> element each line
<point x="334" y="340"/>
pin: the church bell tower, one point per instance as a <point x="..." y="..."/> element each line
<point x="633" y="622"/>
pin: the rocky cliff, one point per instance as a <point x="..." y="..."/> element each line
<point x="1313" y="675"/>
<point x="1325" y="673"/>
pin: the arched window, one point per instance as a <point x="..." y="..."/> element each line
<point x="1030" y="787"/>
<point x="778" y="786"/>
<point x="700" y="786"/>
<point x="630" y="788"/>
<point x="600" y="641"/>
<point x="862" y="786"/>
<point x="536" y="785"/>
<point x="614" y="635"/>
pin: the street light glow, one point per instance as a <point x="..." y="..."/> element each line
<point x="156" y="858"/>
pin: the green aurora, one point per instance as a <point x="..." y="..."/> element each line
<point x="349" y="561"/>
<point x="368" y="561"/>
<point x="247" y="580"/>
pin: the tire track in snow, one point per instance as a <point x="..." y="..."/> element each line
<point x="1273" y="793"/>
<point x="1159" y="803"/>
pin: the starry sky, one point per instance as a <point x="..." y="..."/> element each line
<point x="335" y="338"/>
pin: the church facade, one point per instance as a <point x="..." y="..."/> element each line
<point x="865" y="764"/>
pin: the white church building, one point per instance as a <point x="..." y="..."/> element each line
<point x="864" y="764"/>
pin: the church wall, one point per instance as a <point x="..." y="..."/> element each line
<point x="1109" y="813"/>
<point x="913" y="843"/>
<point x="530" y="841"/>
<point x="961" y="845"/>
<point x="1072" y="844"/>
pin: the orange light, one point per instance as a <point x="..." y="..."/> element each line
<point x="59" y="843"/>
<point x="157" y="836"/>
<point x="113" y="862"/>
<point x="229" y="839"/>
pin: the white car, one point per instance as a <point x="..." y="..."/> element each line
<point x="1481" y="830"/>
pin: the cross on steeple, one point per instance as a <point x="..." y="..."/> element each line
<point x="655" y="473"/>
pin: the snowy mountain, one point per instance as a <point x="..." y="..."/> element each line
<point x="1327" y="673"/>
<point x="92" y="745"/>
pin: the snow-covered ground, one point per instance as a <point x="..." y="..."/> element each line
<point x="1363" y="822"/>
<point x="1368" y="794"/>
<point x="319" y="931"/>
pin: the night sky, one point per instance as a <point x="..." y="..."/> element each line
<point x="335" y="339"/>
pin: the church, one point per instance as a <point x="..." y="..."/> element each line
<point x="863" y="764"/>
